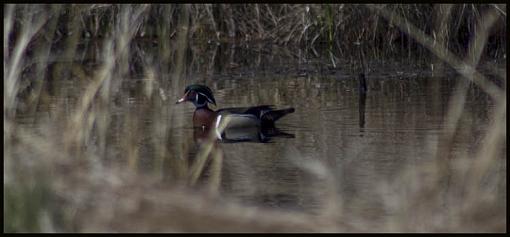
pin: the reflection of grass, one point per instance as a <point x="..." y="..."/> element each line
<point x="63" y="173"/>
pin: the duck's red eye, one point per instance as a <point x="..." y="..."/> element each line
<point x="192" y="94"/>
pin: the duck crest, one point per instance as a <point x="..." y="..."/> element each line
<point x="201" y="91"/>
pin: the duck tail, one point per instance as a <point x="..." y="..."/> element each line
<point x="274" y="115"/>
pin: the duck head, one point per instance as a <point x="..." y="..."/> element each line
<point x="199" y="95"/>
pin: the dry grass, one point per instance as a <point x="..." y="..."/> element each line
<point x="60" y="176"/>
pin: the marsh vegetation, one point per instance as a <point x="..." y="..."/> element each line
<point x="93" y="140"/>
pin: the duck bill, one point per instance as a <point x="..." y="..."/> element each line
<point x="181" y="100"/>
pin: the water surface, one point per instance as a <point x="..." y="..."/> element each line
<point x="337" y="140"/>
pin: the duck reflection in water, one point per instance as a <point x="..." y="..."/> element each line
<point x="228" y="125"/>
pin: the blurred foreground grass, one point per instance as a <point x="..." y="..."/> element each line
<point x="58" y="176"/>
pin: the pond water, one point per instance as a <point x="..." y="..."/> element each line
<point x="403" y="119"/>
<point x="336" y="138"/>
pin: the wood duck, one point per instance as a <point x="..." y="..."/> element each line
<point x="261" y="118"/>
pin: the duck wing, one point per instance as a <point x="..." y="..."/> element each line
<point x="257" y="111"/>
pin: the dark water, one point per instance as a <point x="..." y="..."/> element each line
<point x="402" y="121"/>
<point x="334" y="141"/>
